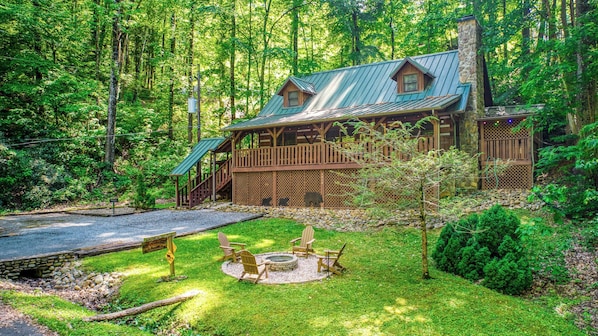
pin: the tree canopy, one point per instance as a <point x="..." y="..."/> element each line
<point x="59" y="60"/>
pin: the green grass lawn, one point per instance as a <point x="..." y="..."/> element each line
<point x="381" y="294"/>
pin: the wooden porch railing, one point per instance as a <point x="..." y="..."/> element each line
<point x="304" y="155"/>
<point x="203" y="189"/>
<point x="515" y="149"/>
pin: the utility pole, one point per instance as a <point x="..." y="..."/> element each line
<point x="198" y="105"/>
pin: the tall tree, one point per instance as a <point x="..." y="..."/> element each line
<point x="114" y="78"/>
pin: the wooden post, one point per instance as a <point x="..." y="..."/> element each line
<point x="322" y="188"/>
<point x="189" y="189"/>
<point x="213" y="156"/>
<point x="274" y="188"/>
<point x="176" y="187"/>
<point x="170" y="254"/>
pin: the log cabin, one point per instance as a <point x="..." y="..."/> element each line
<point x="285" y="157"/>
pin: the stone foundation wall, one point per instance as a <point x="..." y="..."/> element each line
<point x="41" y="266"/>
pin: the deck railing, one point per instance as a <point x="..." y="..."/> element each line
<point x="319" y="154"/>
<point x="514" y="149"/>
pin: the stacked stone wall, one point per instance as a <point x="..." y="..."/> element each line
<point x="41" y="266"/>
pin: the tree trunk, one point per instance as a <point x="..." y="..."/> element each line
<point x="143" y="308"/>
<point x="233" y="55"/>
<point x="265" y="43"/>
<point x="356" y="38"/>
<point x="171" y="70"/>
<point x="295" y="36"/>
<point x="113" y="94"/>
<point x="525" y="31"/>
<point x="249" y="55"/>
<point x="424" y="231"/>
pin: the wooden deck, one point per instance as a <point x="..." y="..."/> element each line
<point x="301" y="157"/>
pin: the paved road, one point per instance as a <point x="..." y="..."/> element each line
<point x="40" y="234"/>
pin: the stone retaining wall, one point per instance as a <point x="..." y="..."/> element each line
<point x="40" y="266"/>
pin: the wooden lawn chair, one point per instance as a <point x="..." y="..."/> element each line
<point x="229" y="251"/>
<point x="251" y="269"/>
<point x="305" y="241"/>
<point x="329" y="261"/>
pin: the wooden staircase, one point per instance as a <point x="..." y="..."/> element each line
<point x="201" y="188"/>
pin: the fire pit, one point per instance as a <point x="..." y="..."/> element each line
<point x="281" y="261"/>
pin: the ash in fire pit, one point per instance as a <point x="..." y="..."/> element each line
<point x="282" y="262"/>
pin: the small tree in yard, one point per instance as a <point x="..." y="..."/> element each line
<point x="396" y="174"/>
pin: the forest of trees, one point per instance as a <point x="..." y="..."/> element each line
<point x="94" y="93"/>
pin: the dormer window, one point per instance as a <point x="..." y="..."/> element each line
<point x="293" y="98"/>
<point x="411" y="76"/>
<point x="410" y="83"/>
<point x="295" y="92"/>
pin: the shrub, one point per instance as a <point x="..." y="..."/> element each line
<point x="494" y="224"/>
<point x="143" y="200"/>
<point x="452" y="240"/>
<point x="508" y="275"/>
<point x="473" y="259"/>
<point x="485" y="247"/>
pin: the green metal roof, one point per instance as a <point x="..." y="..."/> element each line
<point x="367" y="90"/>
<point x="198" y="152"/>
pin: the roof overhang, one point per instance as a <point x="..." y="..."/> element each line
<point x="347" y="113"/>
<point x="510" y="111"/>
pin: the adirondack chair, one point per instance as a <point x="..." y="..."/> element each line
<point x="229" y="251"/>
<point x="305" y="241"/>
<point x="329" y="261"/>
<point x="251" y="269"/>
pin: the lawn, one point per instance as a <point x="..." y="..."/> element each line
<point x="381" y="294"/>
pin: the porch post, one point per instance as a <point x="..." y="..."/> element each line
<point x="176" y="187"/>
<point x="189" y="187"/>
<point x="213" y="158"/>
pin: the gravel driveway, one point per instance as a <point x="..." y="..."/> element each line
<point x="29" y="235"/>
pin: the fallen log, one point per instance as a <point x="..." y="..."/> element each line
<point x="143" y="308"/>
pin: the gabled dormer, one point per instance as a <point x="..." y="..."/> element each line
<point x="411" y="77"/>
<point x="295" y="92"/>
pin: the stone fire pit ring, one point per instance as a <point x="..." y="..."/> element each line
<point x="280" y="262"/>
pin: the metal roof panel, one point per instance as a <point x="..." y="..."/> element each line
<point x="359" y="88"/>
<point x="204" y="146"/>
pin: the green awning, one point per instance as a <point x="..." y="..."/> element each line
<point x="198" y="152"/>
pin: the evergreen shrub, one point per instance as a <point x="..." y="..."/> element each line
<point x="485" y="247"/>
<point x="143" y="200"/>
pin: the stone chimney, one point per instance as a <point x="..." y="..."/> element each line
<point x="471" y="70"/>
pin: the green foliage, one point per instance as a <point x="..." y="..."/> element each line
<point x="473" y="258"/>
<point x="545" y="245"/>
<point x="453" y="239"/>
<point x="508" y="275"/>
<point x="62" y="316"/>
<point x="143" y="200"/>
<point x="493" y="226"/>
<point x="574" y="170"/>
<point x="486" y="247"/>
<point x="589" y="234"/>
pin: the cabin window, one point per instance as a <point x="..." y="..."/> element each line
<point x="293" y="98"/>
<point x="287" y="139"/>
<point x="410" y="83"/>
